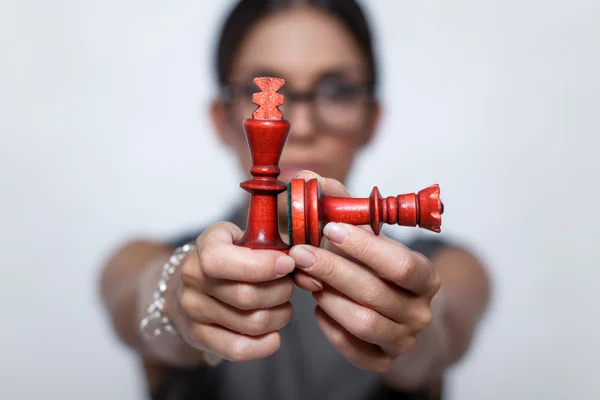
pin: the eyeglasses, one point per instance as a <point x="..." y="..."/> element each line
<point x="339" y="107"/>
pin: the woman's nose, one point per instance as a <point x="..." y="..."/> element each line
<point x="301" y="118"/>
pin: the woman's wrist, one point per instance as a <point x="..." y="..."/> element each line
<point x="170" y="346"/>
<point x="429" y="356"/>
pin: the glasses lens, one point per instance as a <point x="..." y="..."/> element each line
<point x="341" y="106"/>
<point x="240" y="98"/>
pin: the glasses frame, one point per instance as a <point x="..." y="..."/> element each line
<point x="233" y="94"/>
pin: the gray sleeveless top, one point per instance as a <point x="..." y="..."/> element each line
<point x="306" y="366"/>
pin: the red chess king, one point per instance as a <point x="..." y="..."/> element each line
<point x="266" y="134"/>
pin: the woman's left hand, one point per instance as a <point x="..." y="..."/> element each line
<point x="376" y="294"/>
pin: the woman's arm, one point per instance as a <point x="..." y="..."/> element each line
<point x="224" y="300"/>
<point x="457" y="309"/>
<point x="127" y="283"/>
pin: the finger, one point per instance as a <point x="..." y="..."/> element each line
<point x="217" y="234"/>
<point x="363" y="285"/>
<point x="219" y="258"/>
<point x="327" y="245"/>
<point x="222" y="232"/>
<point x="329" y="186"/>
<point x="362" y="322"/>
<point x="387" y="257"/>
<point x="307" y="282"/>
<point x="251" y="296"/>
<point x="361" y="354"/>
<point x="205" y="309"/>
<point x="233" y="346"/>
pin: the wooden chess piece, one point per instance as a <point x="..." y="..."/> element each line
<point x="309" y="210"/>
<point x="266" y="134"/>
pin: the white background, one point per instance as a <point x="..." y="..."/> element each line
<point x="104" y="135"/>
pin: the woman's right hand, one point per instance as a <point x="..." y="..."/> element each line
<point x="232" y="300"/>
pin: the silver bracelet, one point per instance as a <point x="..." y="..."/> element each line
<point x="156" y="322"/>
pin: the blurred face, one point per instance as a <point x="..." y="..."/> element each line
<point x="326" y="100"/>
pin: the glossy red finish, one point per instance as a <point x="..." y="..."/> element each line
<point x="423" y="209"/>
<point x="309" y="209"/>
<point x="266" y="139"/>
<point x="268" y="99"/>
<point x="296" y="206"/>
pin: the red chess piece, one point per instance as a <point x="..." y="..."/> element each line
<point x="266" y="134"/>
<point x="308" y="209"/>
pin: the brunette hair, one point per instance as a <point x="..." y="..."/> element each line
<point x="246" y="13"/>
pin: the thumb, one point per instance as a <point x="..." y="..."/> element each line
<point x="329" y="186"/>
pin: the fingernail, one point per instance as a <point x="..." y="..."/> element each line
<point x="318" y="283"/>
<point x="304" y="258"/>
<point x="311" y="175"/>
<point x="335" y="232"/>
<point x="307" y="172"/>
<point x="284" y="265"/>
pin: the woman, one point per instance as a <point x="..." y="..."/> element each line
<point x="361" y="317"/>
